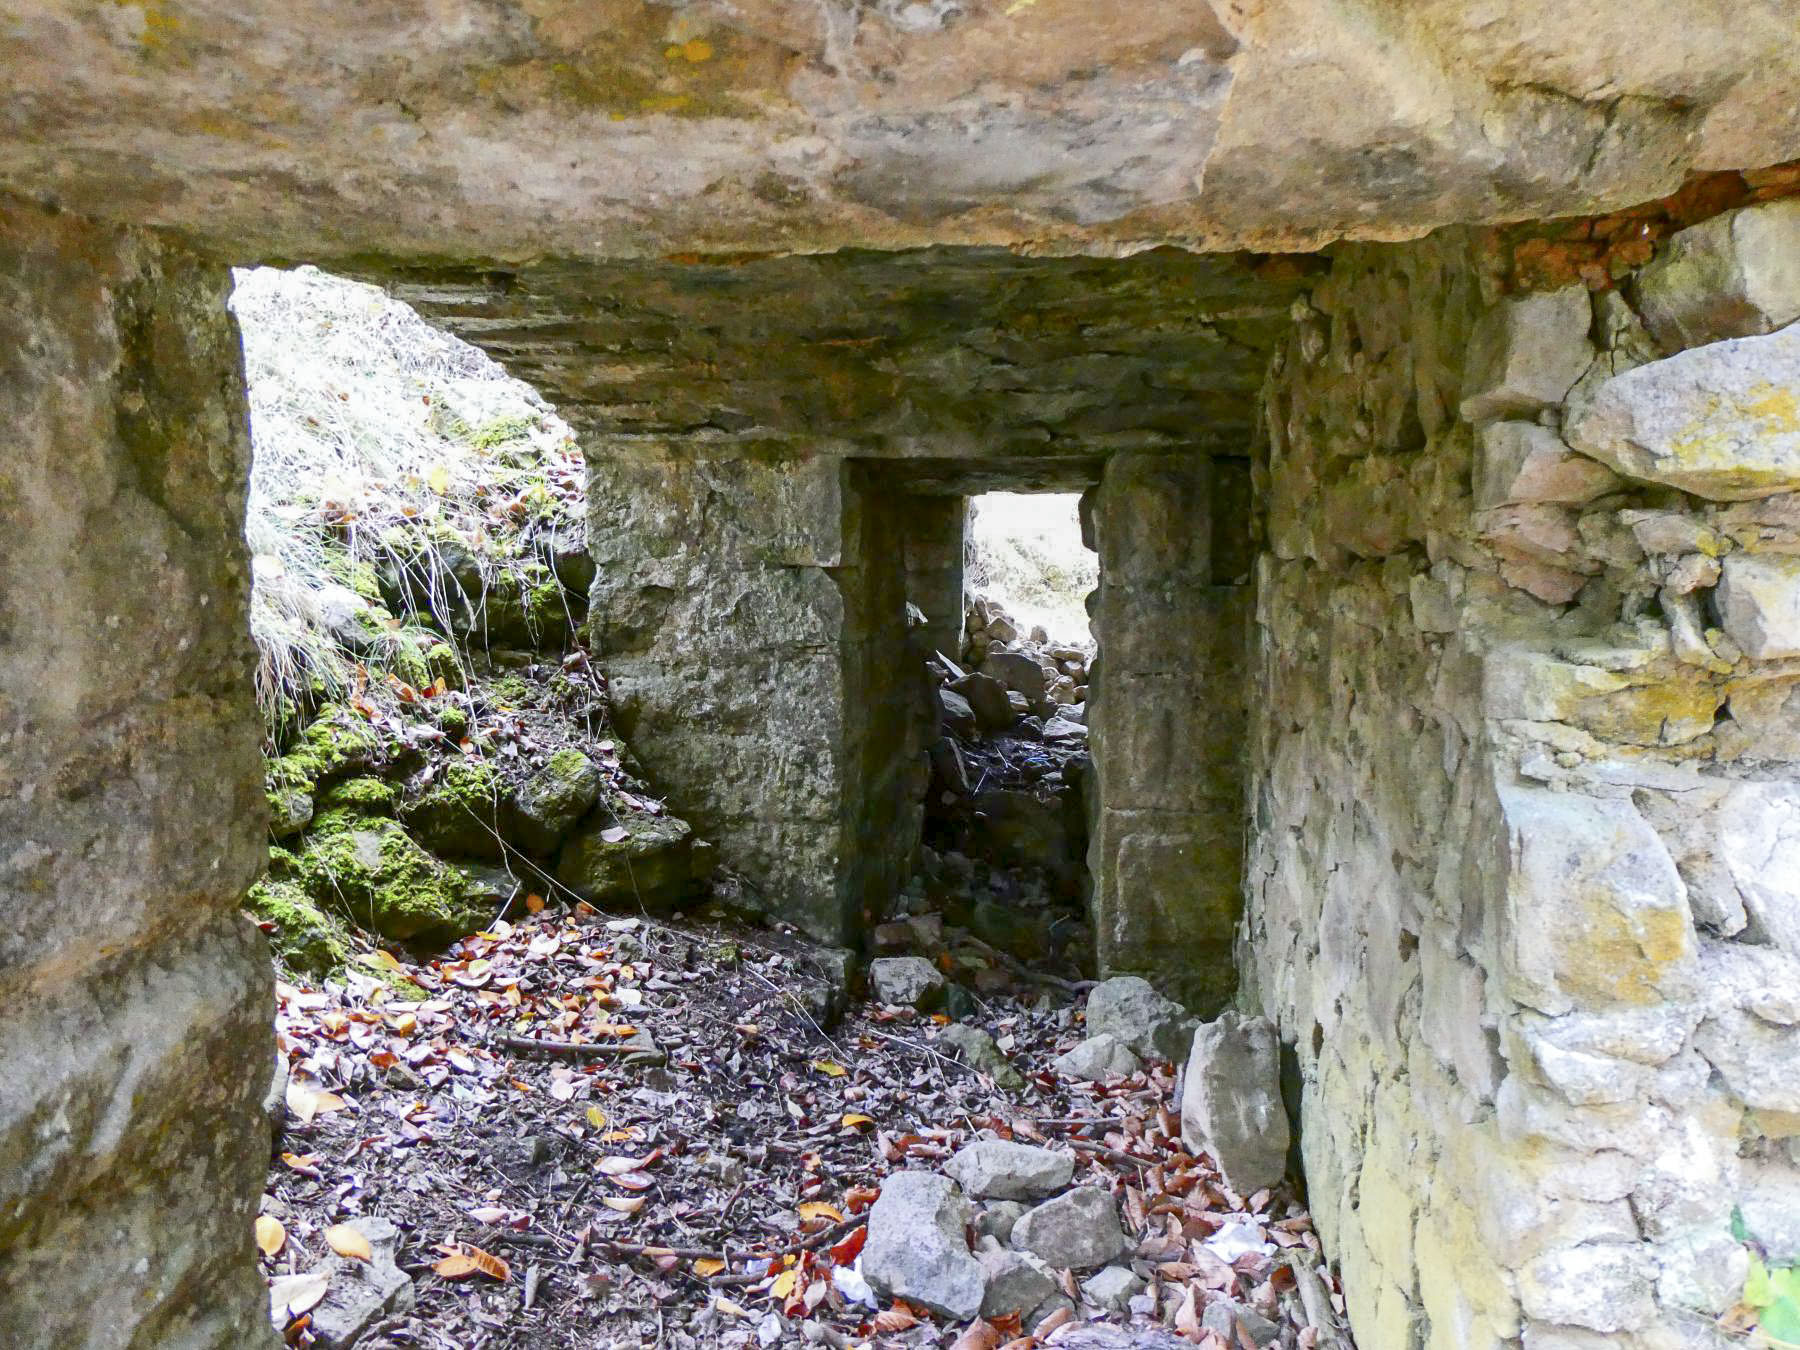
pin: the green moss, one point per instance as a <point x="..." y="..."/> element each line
<point x="458" y="813"/>
<point x="509" y="690"/>
<point x="453" y="721"/>
<point x="302" y="936"/>
<point x="444" y="664"/>
<point x="372" y="871"/>
<point x="360" y="577"/>
<point x="337" y="742"/>
<point x="502" y="430"/>
<point x="368" y="795"/>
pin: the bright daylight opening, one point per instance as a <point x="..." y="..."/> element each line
<point x="1025" y="552"/>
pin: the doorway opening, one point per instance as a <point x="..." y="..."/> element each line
<point x="1005" y="826"/>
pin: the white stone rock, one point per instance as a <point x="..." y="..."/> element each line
<point x="1231" y="1101"/>
<point x="1112" y="1288"/>
<point x="1520" y="462"/>
<point x="1719" y="421"/>
<point x="1763" y="981"/>
<point x="1129" y="1008"/>
<point x="1593" y="913"/>
<point x="1003" y="1170"/>
<point x="1759" y="841"/>
<point x="905" y="980"/>
<point x="1526" y="353"/>
<point x="1702" y="1270"/>
<point x="916" y="1249"/>
<point x="1759" y="604"/>
<point x="1076" y="1231"/>
<point x="1600" y="1286"/>
<point x="1017" y="1282"/>
<point x="1098" y="1059"/>
<point x="1735" y="275"/>
<point x="1755" y="1058"/>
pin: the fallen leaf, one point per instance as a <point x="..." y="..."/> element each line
<point x="596" y="1117"/>
<point x="726" y="1306"/>
<point x="466" y="1259"/>
<point x="844" y="1252"/>
<point x="291" y="1295"/>
<point x="981" y="1335"/>
<point x="307" y="1101"/>
<point x="348" y="1242"/>
<point x="707" y="1266"/>
<point x="897" y="1318"/>
<point x="855" y="1120"/>
<point x="623" y="1204"/>
<point x="784" y="1285"/>
<point x="271" y="1237"/>
<point x="830" y="1067"/>
<point x="818" y="1209"/>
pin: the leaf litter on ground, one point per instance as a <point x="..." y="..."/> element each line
<point x="712" y="1190"/>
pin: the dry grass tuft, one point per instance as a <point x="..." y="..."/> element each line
<point x="377" y="440"/>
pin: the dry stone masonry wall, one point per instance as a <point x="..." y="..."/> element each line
<point x="1523" y="883"/>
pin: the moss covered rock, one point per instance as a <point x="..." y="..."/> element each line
<point x="459" y="813"/>
<point x="373" y="872"/>
<point x="290" y="801"/>
<point x="550" y="802"/>
<point x="337" y="742"/>
<point x="368" y="795"/>
<point x="303" y="936"/>
<point x="637" y="858"/>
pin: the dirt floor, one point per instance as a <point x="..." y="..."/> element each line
<point x="708" y="1193"/>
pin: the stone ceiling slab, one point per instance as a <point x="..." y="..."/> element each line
<point x="510" y="129"/>
<point x="963" y="354"/>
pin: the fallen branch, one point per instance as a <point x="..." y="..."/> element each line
<point x="1110" y="1154"/>
<point x="806" y="1244"/>
<point x="577" y="1049"/>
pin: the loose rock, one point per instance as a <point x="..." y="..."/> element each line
<point x="1016" y="1282"/>
<point x="1076" y="1231"/>
<point x="910" y="981"/>
<point x="361" y="1293"/>
<point x="1003" y="1170"/>
<point x="916" y="1248"/>
<point x="1231" y="1101"/>
<point x="1112" y="1288"/>
<point x="976" y="1048"/>
<point x="1097" y="1059"/>
<point x="1145" y="1022"/>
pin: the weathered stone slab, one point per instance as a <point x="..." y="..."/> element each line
<point x="1592" y="911"/>
<point x="1719" y="421"/>
<point x="1003" y="1170"/>
<point x="1231" y="1101"/>
<point x="1759" y="604"/>
<point x="1076" y="1231"/>
<point x="135" y="1002"/>
<point x="1520" y="462"/>
<point x="1735" y="275"/>
<point x="1526" y="353"/>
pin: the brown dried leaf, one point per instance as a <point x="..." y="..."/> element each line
<point x="348" y="1242"/>
<point x="271" y="1237"/>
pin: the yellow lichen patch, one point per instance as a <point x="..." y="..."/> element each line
<point x="1776" y="404"/>
<point x="1668" y="712"/>
<point x="1619" y="957"/>
<point x="694" y="50"/>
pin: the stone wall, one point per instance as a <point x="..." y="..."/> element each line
<point x="135" y="1000"/>
<point x="1522" y="890"/>
<point x="933" y="547"/>
<point x="1166" y="721"/>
